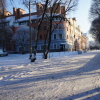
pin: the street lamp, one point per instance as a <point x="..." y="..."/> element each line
<point x="30" y="29"/>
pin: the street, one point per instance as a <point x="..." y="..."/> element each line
<point x="72" y="77"/>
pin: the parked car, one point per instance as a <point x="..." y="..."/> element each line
<point x="3" y="53"/>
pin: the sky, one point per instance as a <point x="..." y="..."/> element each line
<point x="82" y="15"/>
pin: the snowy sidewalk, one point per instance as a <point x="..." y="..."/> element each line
<point x="66" y="77"/>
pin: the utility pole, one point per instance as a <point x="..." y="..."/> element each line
<point x="30" y="29"/>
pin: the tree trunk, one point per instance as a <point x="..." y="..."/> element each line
<point x="45" y="55"/>
<point x="39" y="26"/>
<point x="23" y="51"/>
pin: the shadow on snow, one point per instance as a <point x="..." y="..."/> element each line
<point x="93" y="64"/>
<point x="93" y="94"/>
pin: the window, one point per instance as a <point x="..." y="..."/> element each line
<point x="1" y="24"/>
<point x="22" y="23"/>
<point x="35" y="28"/>
<point x="6" y="24"/>
<point x="39" y="47"/>
<point x="60" y="26"/>
<point x="67" y="28"/>
<point x="45" y="27"/>
<point x="53" y="26"/>
<point x="70" y="30"/>
<point x="33" y="21"/>
<point x="44" y="20"/>
<point x="67" y="36"/>
<point x="40" y="36"/>
<point x="42" y="47"/>
<point x="54" y="36"/>
<point x="33" y="47"/>
<point x="41" y="28"/>
<point x="15" y="23"/>
<point x="44" y="36"/>
<point x="60" y="36"/>
<point x="55" y="46"/>
<point x="20" y="48"/>
<point x="54" y="19"/>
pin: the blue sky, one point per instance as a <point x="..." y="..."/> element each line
<point x="82" y="15"/>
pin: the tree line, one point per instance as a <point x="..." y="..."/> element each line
<point x="95" y="20"/>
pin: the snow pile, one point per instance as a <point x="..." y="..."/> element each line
<point x="63" y="76"/>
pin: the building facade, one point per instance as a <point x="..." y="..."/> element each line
<point x="67" y="36"/>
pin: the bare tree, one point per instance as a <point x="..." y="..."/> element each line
<point x="95" y="19"/>
<point x="2" y="3"/>
<point x="95" y="29"/>
<point x="22" y="36"/>
<point x="50" y="9"/>
<point x="95" y="9"/>
<point x="5" y="35"/>
<point x="5" y="31"/>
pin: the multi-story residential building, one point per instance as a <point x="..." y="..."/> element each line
<point x="66" y="36"/>
<point x="85" y="42"/>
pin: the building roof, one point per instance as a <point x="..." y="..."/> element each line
<point x="27" y="18"/>
<point x="7" y="19"/>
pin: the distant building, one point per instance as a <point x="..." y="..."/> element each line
<point x="85" y="41"/>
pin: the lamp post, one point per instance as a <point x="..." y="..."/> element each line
<point x="30" y="29"/>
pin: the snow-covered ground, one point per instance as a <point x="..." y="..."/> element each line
<point x="63" y="76"/>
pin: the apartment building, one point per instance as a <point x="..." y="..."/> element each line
<point x="67" y="36"/>
<point x="85" y="42"/>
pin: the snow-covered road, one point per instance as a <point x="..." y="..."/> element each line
<point x="65" y="77"/>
